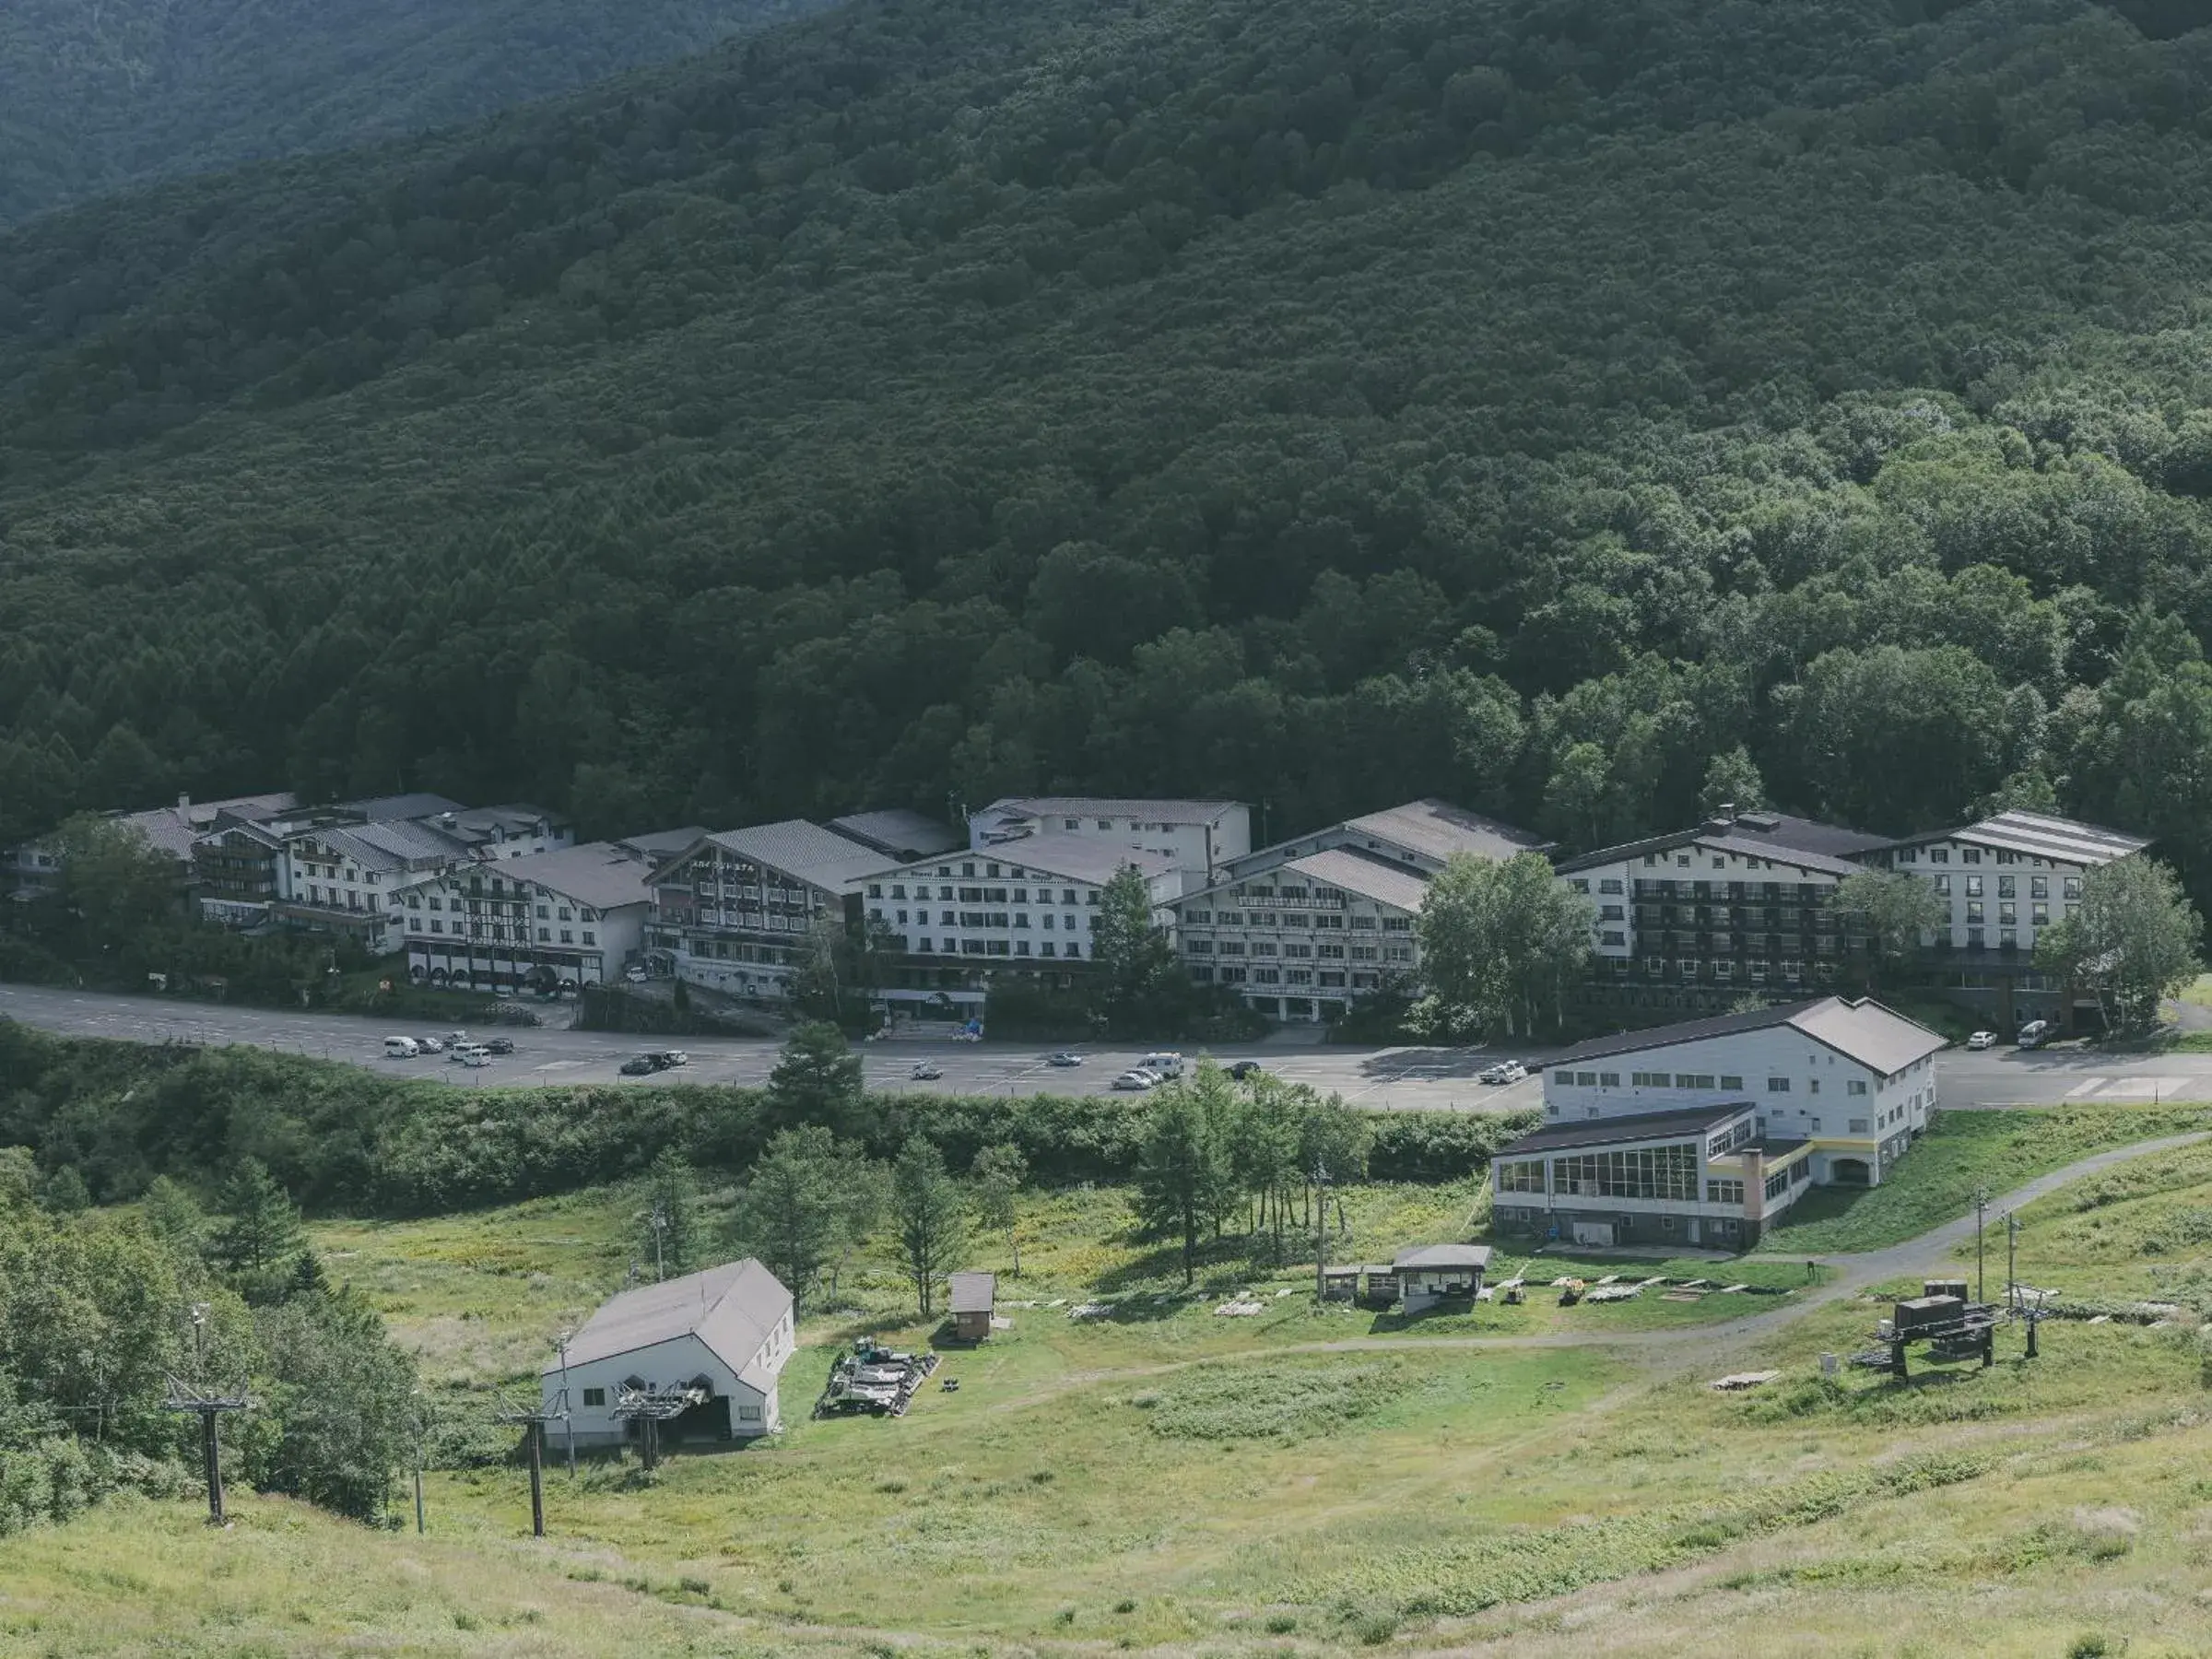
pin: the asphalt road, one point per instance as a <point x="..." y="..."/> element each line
<point x="1382" y="1078"/>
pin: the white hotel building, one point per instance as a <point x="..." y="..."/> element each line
<point x="1702" y="1132"/>
<point x="1028" y="906"/>
<point x="1301" y="928"/>
<point x="1198" y="839"/>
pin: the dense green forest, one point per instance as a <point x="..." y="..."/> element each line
<point x="1574" y="408"/>
<point x="93" y="97"/>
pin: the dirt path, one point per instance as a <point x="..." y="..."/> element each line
<point x="1705" y="1343"/>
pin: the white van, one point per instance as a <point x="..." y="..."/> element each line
<point x="400" y="1048"/>
<point x="1165" y="1065"/>
<point x="468" y="1053"/>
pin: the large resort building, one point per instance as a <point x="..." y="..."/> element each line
<point x="1702" y="1132"/>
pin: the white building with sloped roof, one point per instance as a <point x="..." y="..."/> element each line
<point x="1702" y="1132"/>
<point x="731" y="911"/>
<point x="1029" y="907"/>
<point x="549" y="920"/>
<point x="1199" y="838"/>
<point x="726" y="1331"/>
<point x="1299" y="929"/>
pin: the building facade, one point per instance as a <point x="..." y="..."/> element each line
<point x="1702" y="1132"/>
<point x="550" y="921"/>
<point x="1301" y="929"/>
<point x="733" y="911"/>
<point x="1027" y="908"/>
<point x="2003" y="881"/>
<point x="1298" y="941"/>
<point x="727" y="1333"/>
<point x="1741" y="904"/>
<point x="1199" y="838"/>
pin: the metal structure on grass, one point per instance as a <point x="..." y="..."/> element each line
<point x="209" y="1409"/>
<point x="648" y="1408"/>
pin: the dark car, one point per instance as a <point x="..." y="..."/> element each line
<point x="499" y="1045"/>
<point x="643" y="1067"/>
<point x="1245" y="1068"/>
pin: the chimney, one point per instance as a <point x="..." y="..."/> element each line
<point x="183" y="803"/>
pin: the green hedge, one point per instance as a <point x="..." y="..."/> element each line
<point x="345" y="1139"/>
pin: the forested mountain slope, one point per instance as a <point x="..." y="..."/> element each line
<point x="93" y="96"/>
<point x="1555" y="404"/>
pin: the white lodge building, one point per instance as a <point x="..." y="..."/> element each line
<point x="1702" y="1132"/>
<point x="1196" y="838"/>
<point x="1301" y="928"/>
<point x="2003" y="881"/>
<point x="541" y="922"/>
<point x="733" y="909"/>
<point x="1029" y="907"/>
<point x="726" y="1332"/>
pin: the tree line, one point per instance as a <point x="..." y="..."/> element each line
<point x="1874" y="494"/>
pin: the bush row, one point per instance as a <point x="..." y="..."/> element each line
<point x="348" y="1140"/>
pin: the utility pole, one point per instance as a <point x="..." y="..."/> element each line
<point x="567" y="1422"/>
<point x="419" y="1427"/>
<point x="2012" y="1243"/>
<point x="658" y="1222"/>
<point x="1321" y="1231"/>
<point x="1980" y="1208"/>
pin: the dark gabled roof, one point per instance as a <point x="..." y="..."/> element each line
<point x="1865" y="1031"/>
<point x="1687" y="1030"/>
<point x="2039" y="835"/>
<point x="1775" y="835"/>
<point x="1443" y="1255"/>
<point x="1633" y="1126"/>
<point x="899" y="832"/>
<point x="974" y="1292"/>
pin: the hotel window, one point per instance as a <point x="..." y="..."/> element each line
<point x="2040" y="915"/>
<point x="1940" y="855"/>
<point x="1724" y="1192"/>
<point x="590" y="937"/>
<point x="1778" y="1086"/>
<point x="1521" y="1177"/>
<point x="1856" y="1086"/>
<point x="2072" y="886"/>
<point x="2005" y="886"/>
<point x="1729" y="1082"/>
<point x="594" y="1397"/>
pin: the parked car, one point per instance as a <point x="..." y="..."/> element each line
<point x="642" y="1066"/>
<point x="1246" y="1068"/>
<point x="1982" y="1039"/>
<point x="499" y="1045"/>
<point x="1505" y="1071"/>
<point x="467" y="1054"/>
<point x="926" y="1071"/>
<point x="665" y="1059"/>
<point x="634" y="974"/>
<point x="1063" y="1059"/>
<point x="1166" y="1063"/>
<point x="2035" y="1033"/>
<point x="1135" y="1082"/>
<point x="430" y="1045"/>
<point x="400" y="1048"/>
<point x="451" y="1038"/>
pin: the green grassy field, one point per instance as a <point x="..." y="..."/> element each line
<point x="1963" y="1151"/>
<point x="1304" y="1482"/>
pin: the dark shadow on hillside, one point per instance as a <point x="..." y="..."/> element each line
<point x="1822" y="1204"/>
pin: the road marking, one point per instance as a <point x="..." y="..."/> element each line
<point x="2088" y="1085"/>
<point x="2165" y="1087"/>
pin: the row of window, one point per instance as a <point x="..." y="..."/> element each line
<point x="2039" y="886"/>
<point x="1019" y="920"/>
<point x="979" y="895"/>
<point x="1666" y="1172"/>
<point x="1968" y="855"/>
<point x="951" y="946"/>
<point x="1330" y="978"/>
<point x="499" y="931"/>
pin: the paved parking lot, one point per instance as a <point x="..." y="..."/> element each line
<point x="1391" y="1079"/>
<point x="1382" y="1078"/>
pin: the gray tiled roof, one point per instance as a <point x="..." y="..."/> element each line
<point x="1799" y="841"/>
<point x="384" y="809"/>
<point x="1628" y="1128"/>
<point x="899" y="832"/>
<point x="1443" y="1255"/>
<point x="972" y="1292"/>
<point x="1437" y="829"/>
<point x="1369" y="878"/>
<point x="597" y="874"/>
<point x="732" y="1309"/>
<point x="1113" y="806"/>
<point x="1864" y="1030"/>
<point x="1070" y="857"/>
<point x="2041" y="835"/>
<point x="819" y="857"/>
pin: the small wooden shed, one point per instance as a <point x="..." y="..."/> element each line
<point x="1430" y="1274"/>
<point x="973" y="1296"/>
